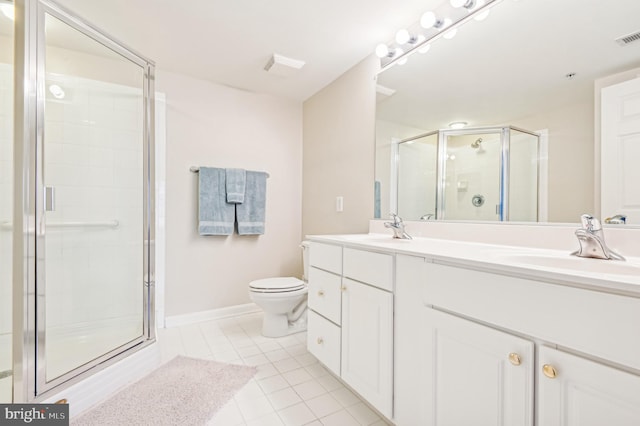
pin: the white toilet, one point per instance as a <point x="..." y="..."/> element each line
<point x="283" y="300"/>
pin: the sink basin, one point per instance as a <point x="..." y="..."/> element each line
<point x="574" y="263"/>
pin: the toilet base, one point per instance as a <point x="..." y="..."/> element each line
<point x="278" y="325"/>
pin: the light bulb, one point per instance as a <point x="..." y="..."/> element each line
<point x="477" y="4"/>
<point x="458" y="124"/>
<point x="428" y="20"/>
<point x="382" y="50"/>
<point x="403" y="36"/>
<point x="457" y="3"/>
<point x="481" y="16"/>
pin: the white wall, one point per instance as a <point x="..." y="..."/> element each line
<point x="339" y="134"/>
<point x="386" y="132"/>
<point x="214" y="125"/>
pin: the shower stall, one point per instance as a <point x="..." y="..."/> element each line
<point x="487" y="173"/>
<point x="77" y="197"/>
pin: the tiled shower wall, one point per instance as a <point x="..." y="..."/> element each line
<point x="93" y="159"/>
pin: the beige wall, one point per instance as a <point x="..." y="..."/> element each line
<point x="570" y="159"/>
<point x="338" y="153"/>
<point x="214" y="125"/>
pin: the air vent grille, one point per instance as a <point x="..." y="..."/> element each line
<point x="630" y="38"/>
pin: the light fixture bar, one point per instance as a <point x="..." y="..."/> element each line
<point x="439" y="34"/>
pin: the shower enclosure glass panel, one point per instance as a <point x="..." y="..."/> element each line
<point x="6" y="200"/>
<point x="417" y="173"/>
<point x="472" y="166"/>
<point x="523" y="176"/>
<point x="93" y="203"/>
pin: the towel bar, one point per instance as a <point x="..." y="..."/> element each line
<point x="196" y="169"/>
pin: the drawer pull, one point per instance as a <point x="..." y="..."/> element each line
<point x="320" y="293"/>
<point x="320" y="340"/>
<point x="514" y="358"/>
<point x="549" y="371"/>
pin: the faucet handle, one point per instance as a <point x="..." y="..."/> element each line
<point x="590" y="223"/>
<point x="397" y="220"/>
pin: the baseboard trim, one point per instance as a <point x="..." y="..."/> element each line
<point x="213" y="314"/>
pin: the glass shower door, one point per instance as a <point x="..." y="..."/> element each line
<point x="471" y="177"/>
<point x="6" y="201"/>
<point x="417" y="165"/>
<point x="91" y="248"/>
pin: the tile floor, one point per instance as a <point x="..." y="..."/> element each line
<point x="290" y="388"/>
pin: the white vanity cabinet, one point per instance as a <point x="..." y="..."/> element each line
<point x="478" y="375"/>
<point x="357" y="302"/>
<point x="325" y="304"/>
<point x="574" y="390"/>
<point x="481" y="332"/>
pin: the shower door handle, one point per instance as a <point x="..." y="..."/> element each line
<point x="49" y="199"/>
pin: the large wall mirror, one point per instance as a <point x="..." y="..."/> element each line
<point x="533" y="65"/>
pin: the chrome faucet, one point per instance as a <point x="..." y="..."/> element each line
<point x="618" y="219"/>
<point x="398" y="227"/>
<point x="591" y="239"/>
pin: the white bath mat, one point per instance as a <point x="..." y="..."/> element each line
<point x="184" y="391"/>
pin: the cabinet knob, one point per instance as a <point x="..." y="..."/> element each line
<point x="320" y="340"/>
<point x="320" y="293"/>
<point x="343" y="288"/>
<point x="549" y="371"/>
<point x="514" y="358"/>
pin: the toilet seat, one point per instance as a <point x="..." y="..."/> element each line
<point x="276" y="285"/>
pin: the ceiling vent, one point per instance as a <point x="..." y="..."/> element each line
<point x="283" y="66"/>
<point x="630" y="38"/>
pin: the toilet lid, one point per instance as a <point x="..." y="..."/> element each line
<point x="280" y="284"/>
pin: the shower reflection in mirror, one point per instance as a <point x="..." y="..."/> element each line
<point x="489" y="174"/>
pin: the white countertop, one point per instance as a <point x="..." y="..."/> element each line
<point x="555" y="266"/>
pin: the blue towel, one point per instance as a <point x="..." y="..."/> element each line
<point x="251" y="213"/>
<point x="215" y="215"/>
<point x="376" y="200"/>
<point x="236" y="179"/>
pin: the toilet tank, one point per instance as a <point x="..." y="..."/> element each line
<point x="305" y="260"/>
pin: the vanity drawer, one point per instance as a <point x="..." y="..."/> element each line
<point x="325" y="294"/>
<point x="326" y="256"/>
<point x="323" y="341"/>
<point x="371" y="268"/>
<point x="601" y="324"/>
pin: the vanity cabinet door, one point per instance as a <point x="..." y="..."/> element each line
<point x="478" y="375"/>
<point x="367" y="343"/>
<point x="584" y="392"/>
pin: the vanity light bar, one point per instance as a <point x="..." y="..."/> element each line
<point x="392" y="58"/>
